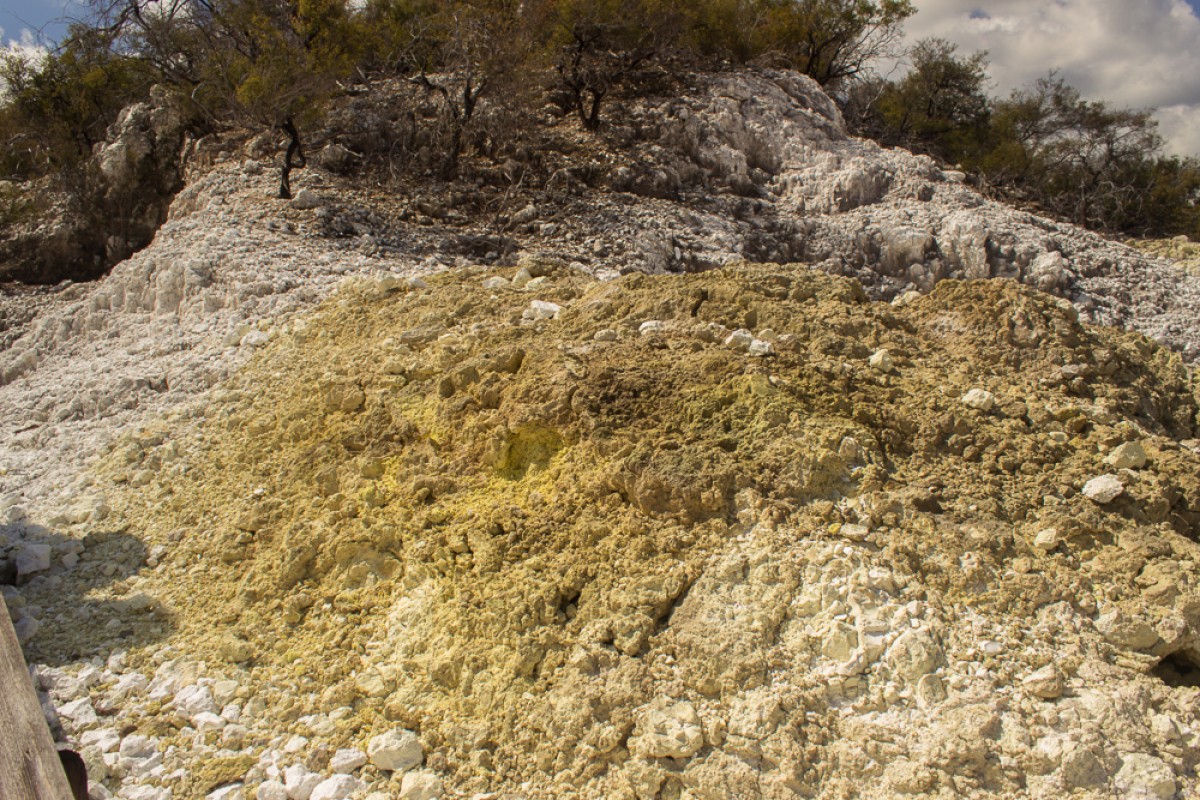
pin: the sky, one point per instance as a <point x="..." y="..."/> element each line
<point x="1131" y="53"/>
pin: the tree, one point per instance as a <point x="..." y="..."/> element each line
<point x="1077" y="158"/>
<point x="58" y="109"/>
<point x="832" y="41"/>
<point x="940" y="107"/>
<point x="268" y="63"/>
<point x="602" y="44"/>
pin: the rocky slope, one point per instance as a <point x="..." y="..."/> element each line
<point x="517" y="531"/>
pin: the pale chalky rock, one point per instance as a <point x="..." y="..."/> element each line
<point x="495" y="282"/>
<point x="1127" y="632"/>
<point x="33" y="558"/>
<point x="671" y="731"/>
<point x="207" y="721"/>
<point x="1130" y="455"/>
<point x="979" y="399"/>
<point x="605" y="335"/>
<point x="882" y="361"/>
<point x="760" y="347"/>
<point x="741" y="339"/>
<point x="146" y="793"/>
<point x="193" y="700"/>
<point x="542" y="309"/>
<point x="1143" y="777"/>
<point x="420" y="786"/>
<point x="1048" y="272"/>
<point x="1045" y="683"/>
<point x="1104" y="489"/>
<point x="299" y="782"/>
<point x="80" y="712"/>
<point x="271" y="790"/>
<point x="1048" y="539"/>
<point x="339" y="787"/>
<point x="234" y="791"/>
<point x="651" y="326"/>
<point x="105" y="740"/>
<point x="397" y="750"/>
<point x="136" y="746"/>
<point x="346" y="761"/>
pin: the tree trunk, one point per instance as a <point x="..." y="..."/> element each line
<point x="295" y="151"/>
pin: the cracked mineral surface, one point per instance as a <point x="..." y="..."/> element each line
<point x="583" y="556"/>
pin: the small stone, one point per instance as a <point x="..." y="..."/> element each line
<point x="339" y="787"/>
<point x="741" y="339"/>
<point x="79" y="712"/>
<point x="208" y="721"/>
<point x="420" y="786"/>
<point x="882" y="361"/>
<point x="1104" y="489"/>
<point x="606" y="335"/>
<point x="103" y="739"/>
<point x="855" y="532"/>
<point x="1045" y="683"/>
<point x="930" y="691"/>
<point x="980" y="400"/>
<point x="223" y="692"/>
<point x="397" y="750"/>
<point x="137" y="747"/>
<point x="70" y="560"/>
<point x="1144" y="777"/>
<point x="255" y="338"/>
<point x="1130" y="455"/>
<point x="305" y="199"/>
<point x="300" y="782"/>
<point x="522" y="277"/>
<point x="26" y="628"/>
<point x="671" y="731"/>
<point x="346" y="761"/>
<point x="1046" y="540"/>
<point x="1123" y="631"/>
<point x="233" y="791"/>
<point x="271" y="790"/>
<point x="542" y="309"/>
<point x="33" y="558"/>
<point x="651" y="326"/>
<point x="1081" y="769"/>
<point x="495" y="282"/>
<point x="761" y="347"/>
<point x="193" y="700"/>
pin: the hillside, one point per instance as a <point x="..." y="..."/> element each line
<point x="704" y="465"/>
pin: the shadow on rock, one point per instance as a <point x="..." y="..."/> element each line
<point x="71" y="599"/>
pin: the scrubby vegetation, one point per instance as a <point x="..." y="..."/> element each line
<point x="1085" y="161"/>
<point x="481" y="70"/>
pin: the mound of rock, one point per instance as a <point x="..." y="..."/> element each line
<point x="738" y="534"/>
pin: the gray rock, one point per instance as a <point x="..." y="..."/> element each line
<point x="32" y="558"/>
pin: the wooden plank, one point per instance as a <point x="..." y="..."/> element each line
<point x="29" y="765"/>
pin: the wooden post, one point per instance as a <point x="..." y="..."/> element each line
<point x="29" y="765"/>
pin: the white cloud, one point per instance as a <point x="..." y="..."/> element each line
<point x="1139" y="53"/>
